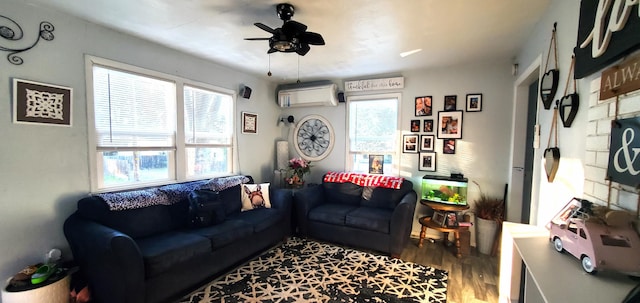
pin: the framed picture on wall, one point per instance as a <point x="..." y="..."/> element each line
<point x="427" y="161"/>
<point x="427" y="126"/>
<point x="427" y="142"/>
<point x="410" y="143"/>
<point x="249" y="123"/>
<point x="41" y="103"/>
<point x="423" y="106"/>
<point x="376" y="164"/>
<point x="474" y="102"/>
<point x="450" y="103"/>
<point x="450" y="125"/>
<point x="415" y="126"/>
<point x="449" y="146"/>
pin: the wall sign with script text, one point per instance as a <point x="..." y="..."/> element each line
<point x="607" y="30"/>
<point x="624" y="155"/>
<point x="374" y="84"/>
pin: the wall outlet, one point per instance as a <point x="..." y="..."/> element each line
<point x="536" y="136"/>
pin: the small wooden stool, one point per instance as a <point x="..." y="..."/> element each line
<point x="427" y="223"/>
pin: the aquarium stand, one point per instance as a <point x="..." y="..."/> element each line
<point x="441" y="221"/>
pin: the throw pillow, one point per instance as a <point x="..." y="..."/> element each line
<point x="255" y="196"/>
<point x="205" y="208"/>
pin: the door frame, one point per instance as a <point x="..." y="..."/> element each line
<point x="518" y="138"/>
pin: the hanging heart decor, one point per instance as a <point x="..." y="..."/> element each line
<point x="568" y="105"/>
<point x="552" y="154"/>
<point x="549" y="82"/>
<point x="551" y="162"/>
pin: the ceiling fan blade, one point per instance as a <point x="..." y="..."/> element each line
<point x="272" y="50"/>
<point x="264" y="27"/>
<point x="291" y="28"/>
<point x="257" y="38"/>
<point x="312" y="38"/>
<point x="303" y="49"/>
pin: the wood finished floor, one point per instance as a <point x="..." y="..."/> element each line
<point x="472" y="279"/>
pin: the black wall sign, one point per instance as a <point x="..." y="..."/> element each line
<point x="607" y="30"/>
<point x="624" y="155"/>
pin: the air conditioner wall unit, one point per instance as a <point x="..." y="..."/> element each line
<point x="319" y="93"/>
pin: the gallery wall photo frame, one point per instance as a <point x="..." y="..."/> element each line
<point x="449" y="146"/>
<point x="450" y="125"/>
<point x="410" y="143"/>
<point x="427" y="142"/>
<point x="415" y="126"/>
<point x="450" y="103"/>
<point x="474" y="102"/>
<point x="423" y="106"/>
<point x="376" y="164"/>
<point x="427" y="126"/>
<point x="427" y="161"/>
<point x="42" y="103"/>
<point x="249" y="123"/>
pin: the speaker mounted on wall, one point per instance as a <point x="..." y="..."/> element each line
<point x="341" y="97"/>
<point x="245" y="92"/>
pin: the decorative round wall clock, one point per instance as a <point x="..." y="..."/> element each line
<point x="313" y="138"/>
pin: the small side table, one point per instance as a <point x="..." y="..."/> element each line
<point x="426" y="222"/>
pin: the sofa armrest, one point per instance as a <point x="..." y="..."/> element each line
<point x="304" y="200"/>
<point x="110" y="260"/>
<point x="282" y="200"/>
<point x="401" y="222"/>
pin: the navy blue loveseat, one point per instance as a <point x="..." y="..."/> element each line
<point x="151" y="252"/>
<point x="373" y="218"/>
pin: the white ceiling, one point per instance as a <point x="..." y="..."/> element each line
<point x="363" y="37"/>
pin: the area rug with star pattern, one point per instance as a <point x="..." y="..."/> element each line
<point x="302" y="270"/>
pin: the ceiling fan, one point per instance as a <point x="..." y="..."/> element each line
<point x="292" y="36"/>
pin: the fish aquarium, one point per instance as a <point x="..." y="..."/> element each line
<point x="448" y="190"/>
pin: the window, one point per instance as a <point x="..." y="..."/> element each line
<point x="150" y="128"/>
<point x="373" y="130"/>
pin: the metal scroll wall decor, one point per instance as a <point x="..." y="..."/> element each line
<point x="568" y="104"/>
<point x="11" y="30"/>
<point x="549" y="83"/>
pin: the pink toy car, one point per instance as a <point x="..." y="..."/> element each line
<point x="608" y="244"/>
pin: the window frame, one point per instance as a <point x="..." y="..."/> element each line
<point x="177" y="166"/>
<point x="395" y="163"/>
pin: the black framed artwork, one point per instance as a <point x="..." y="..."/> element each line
<point x="450" y="103"/>
<point x="42" y="103"/>
<point x="427" y="126"/>
<point x="376" y="164"/>
<point x="427" y="142"/>
<point x="423" y="106"/>
<point x="450" y="125"/>
<point x="415" y="126"/>
<point x="410" y="143"/>
<point x="449" y="146"/>
<point x="474" y="102"/>
<point x="427" y="161"/>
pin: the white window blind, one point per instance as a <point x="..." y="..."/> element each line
<point x="208" y="117"/>
<point x="133" y="110"/>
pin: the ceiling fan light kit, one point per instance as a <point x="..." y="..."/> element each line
<point x="292" y="36"/>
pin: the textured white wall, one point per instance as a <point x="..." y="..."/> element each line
<point x="44" y="169"/>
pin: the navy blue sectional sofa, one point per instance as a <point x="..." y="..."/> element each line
<point x="152" y="252"/>
<point x="372" y="218"/>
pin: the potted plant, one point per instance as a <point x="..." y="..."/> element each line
<point x="489" y="213"/>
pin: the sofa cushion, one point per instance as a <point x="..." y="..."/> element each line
<point x="385" y="197"/>
<point x="205" y="208"/>
<point x="331" y="213"/>
<point x="255" y="196"/>
<point x="232" y="199"/>
<point x="260" y="219"/>
<point x="136" y="223"/>
<point x="225" y="233"/>
<point x="163" y="251"/>
<point x="370" y="218"/>
<point x="344" y="193"/>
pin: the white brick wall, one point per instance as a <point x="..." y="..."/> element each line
<point x="596" y="188"/>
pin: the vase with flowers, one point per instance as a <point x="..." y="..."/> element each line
<point x="294" y="174"/>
